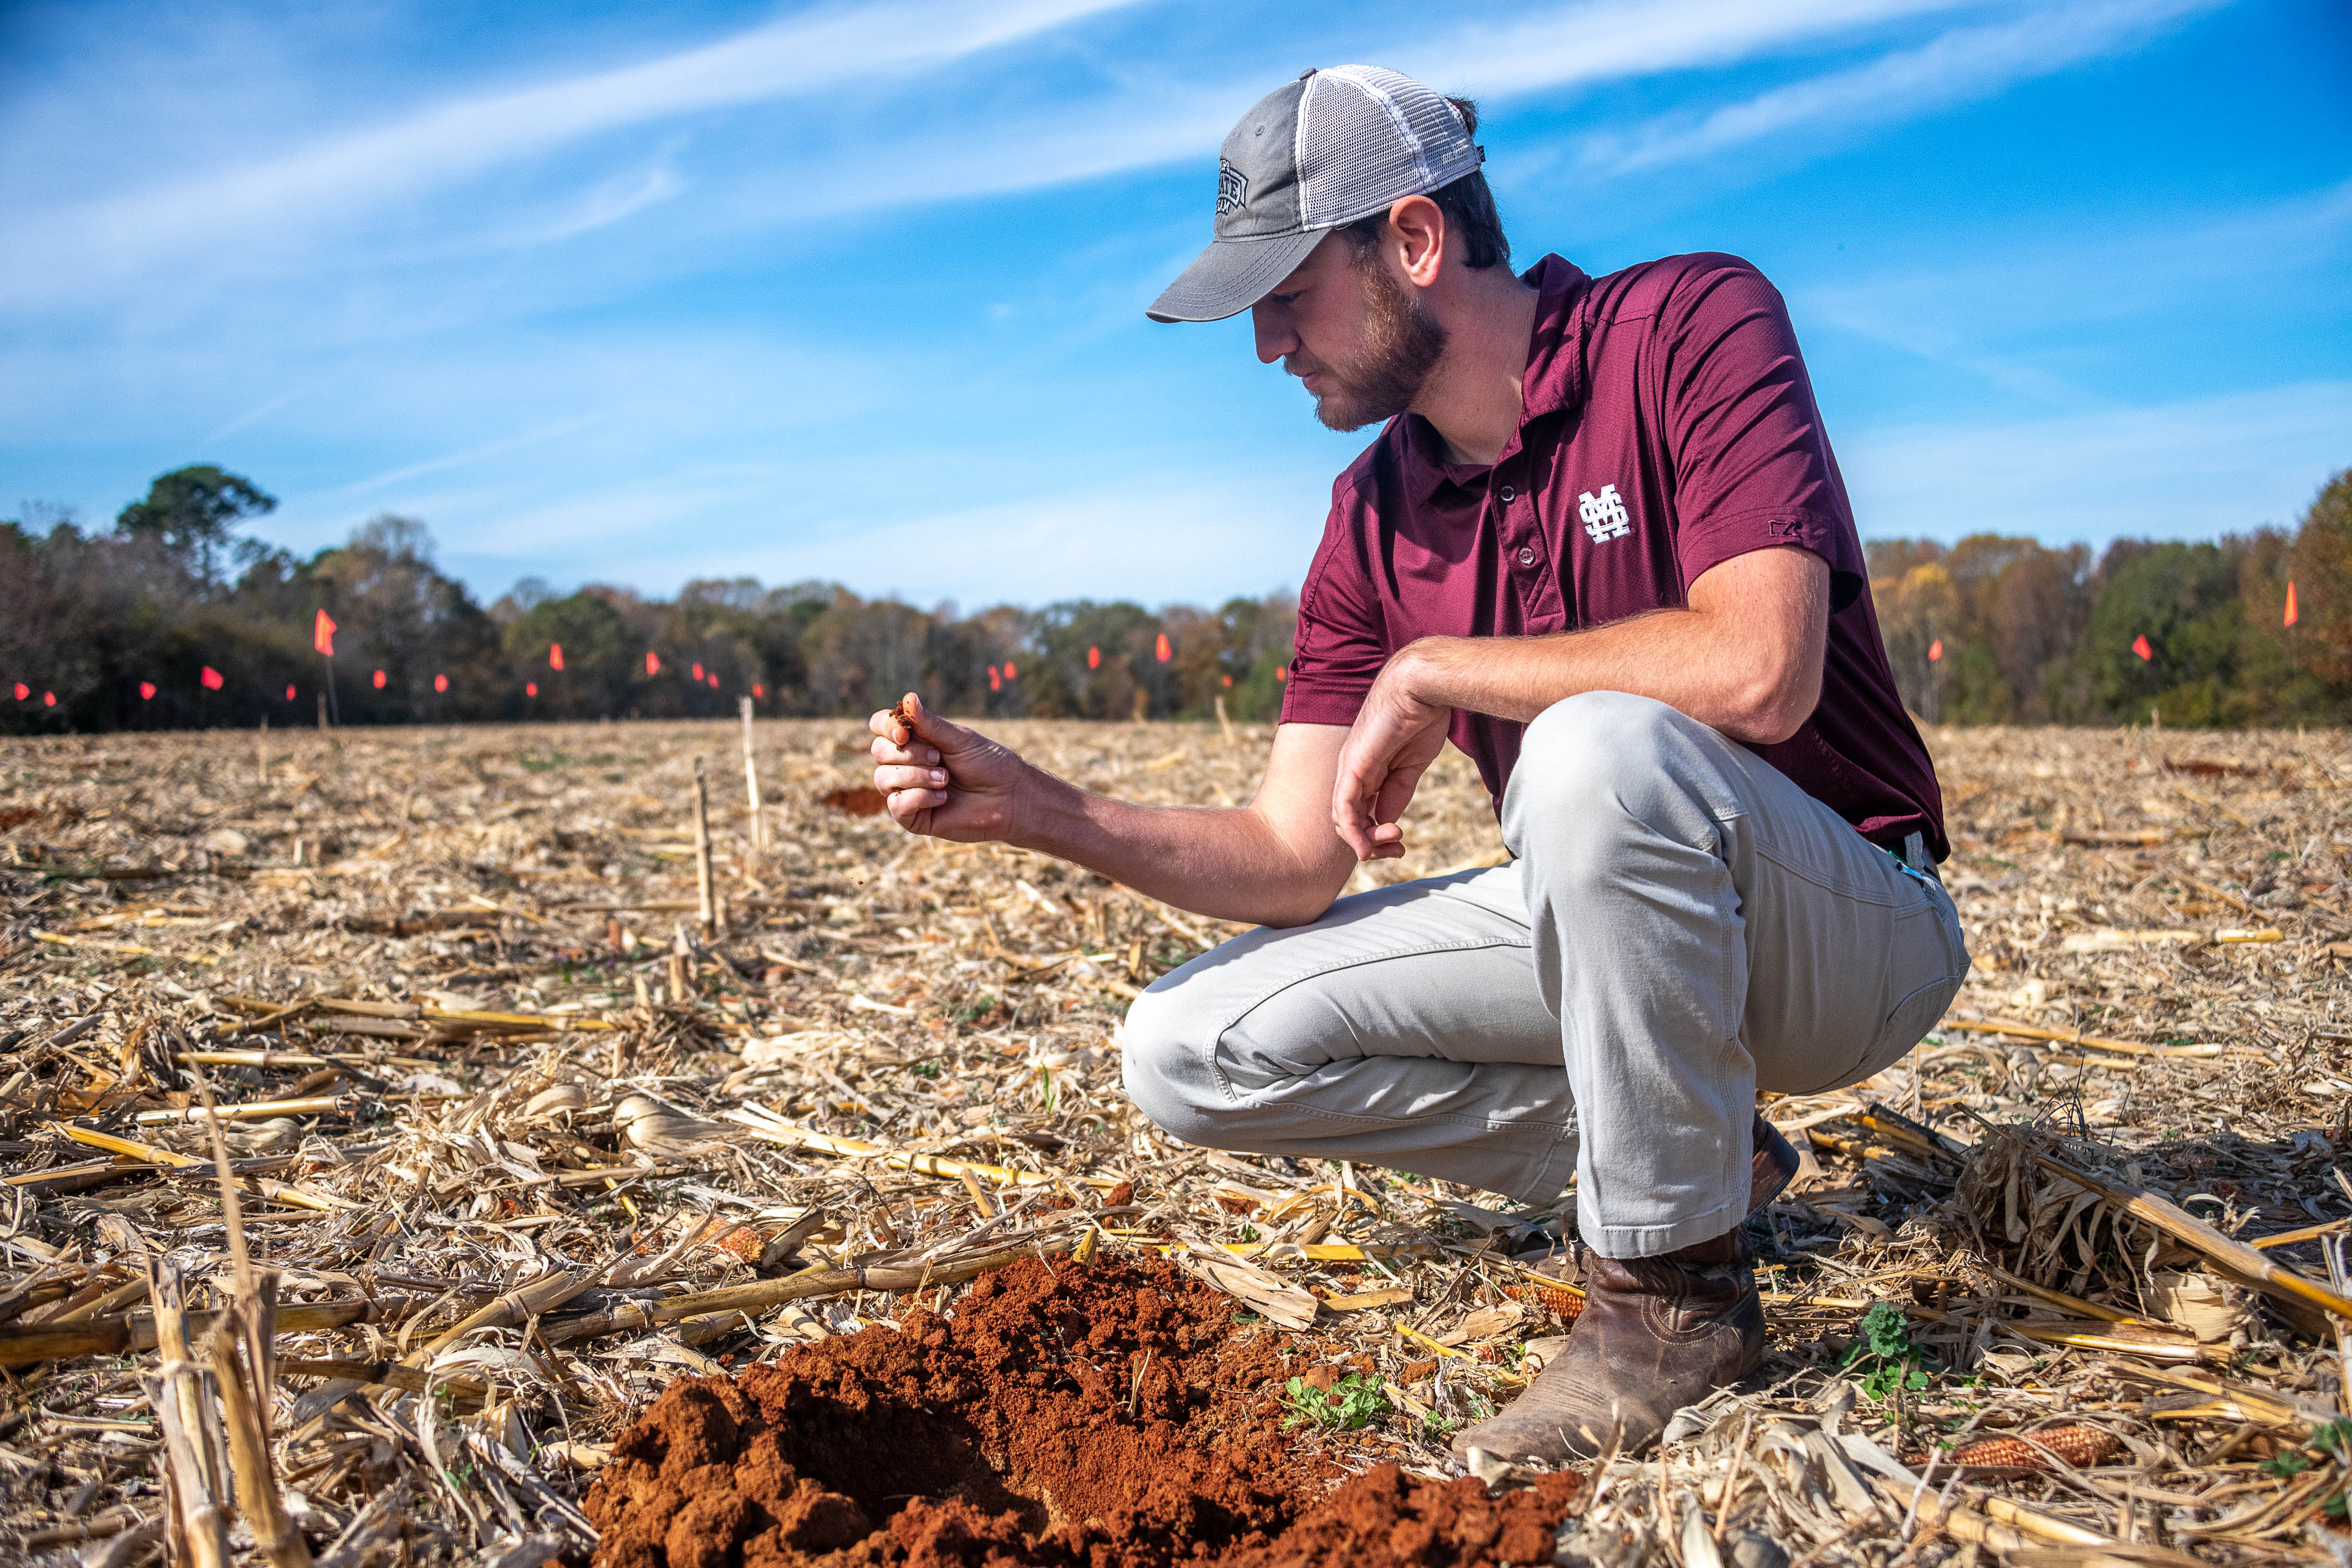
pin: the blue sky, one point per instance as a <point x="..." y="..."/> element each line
<point x="638" y="294"/>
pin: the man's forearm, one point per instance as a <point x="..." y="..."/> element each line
<point x="1227" y="863"/>
<point x="1755" y="677"/>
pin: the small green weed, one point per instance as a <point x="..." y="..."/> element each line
<point x="1888" y="1360"/>
<point x="1355" y="1401"/>
<point x="2330" y="1444"/>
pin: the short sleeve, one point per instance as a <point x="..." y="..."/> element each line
<point x="1342" y="641"/>
<point x="1752" y="464"/>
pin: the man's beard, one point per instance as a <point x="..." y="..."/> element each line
<point x="1402" y="345"/>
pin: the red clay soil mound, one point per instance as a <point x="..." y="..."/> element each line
<point x="1074" y="1416"/>
<point x="1386" y="1519"/>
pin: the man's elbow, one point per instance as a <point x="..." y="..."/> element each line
<point x="1300" y="900"/>
<point x="1301" y="903"/>
<point x="1775" y="706"/>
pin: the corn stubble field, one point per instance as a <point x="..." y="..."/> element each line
<point x="507" y="1143"/>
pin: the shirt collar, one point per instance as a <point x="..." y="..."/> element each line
<point x="1554" y="380"/>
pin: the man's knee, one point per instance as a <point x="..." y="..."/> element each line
<point x="1167" y="1049"/>
<point x="1595" y="734"/>
<point x="1593" y="765"/>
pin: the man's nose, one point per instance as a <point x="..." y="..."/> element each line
<point x="1275" y="338"/>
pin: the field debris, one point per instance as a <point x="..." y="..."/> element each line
<point x="483" y="1145"/>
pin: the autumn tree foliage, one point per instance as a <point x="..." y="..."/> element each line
<point x="1993" y="629"/>
<point x="94" y="617"/>
<point x="2024" y="632"/>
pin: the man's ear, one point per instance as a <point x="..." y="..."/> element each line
<point x="1418" y="228"/>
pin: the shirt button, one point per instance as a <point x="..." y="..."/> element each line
<point x="1526" y="556"/>
<point x="1509" y="494"/>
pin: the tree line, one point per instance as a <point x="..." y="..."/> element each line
<point x="171" y="620"/>
<point x="2252" y="629"/>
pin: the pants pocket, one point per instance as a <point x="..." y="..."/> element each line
<point x="1918" y="1009"/>
<point x="1909" y="1022"/>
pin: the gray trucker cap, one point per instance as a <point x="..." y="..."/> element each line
<point x="1334" y="146"/>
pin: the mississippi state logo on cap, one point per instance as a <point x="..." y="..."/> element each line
<point x="1233" y="188"/>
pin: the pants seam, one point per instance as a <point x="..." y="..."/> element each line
<point x="1217" y="1040"/>
<point x="1486" y="1121"/>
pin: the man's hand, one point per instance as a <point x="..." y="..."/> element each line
<point x="942" y="780"/>
<point x="1396" y="735"/>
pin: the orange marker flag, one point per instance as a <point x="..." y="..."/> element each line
<point x="555" y="655"/>
<point x="23" y="691"/>
<point x="290" y="693"/>
<point x="1934" y="651"/>
<point x="1282" y="673"/>
<point x="995" y="682"/>
<point x="1160" y="650"/>
<point x="759" y="691"/>
<point x="323" y="634"/>
<point x="1010" y="673"/>
<point x="653" y="662"/>
<point x="1229" y="681"/>
<point x="2139" y="646"/>
<point x="530" y="689"/>
<point x="212" y="679"/>
<point x="1093" y="658"/>
<point x="697" y="672"/>
<point x="146" y="691"/>
<point x="2290" y="601"/>
<point x="379" y="680"/>
<point x="440" y="683"/>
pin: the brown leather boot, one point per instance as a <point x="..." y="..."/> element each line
<point x="1656" y="1333"/>
<point x="1771" y="1169"/>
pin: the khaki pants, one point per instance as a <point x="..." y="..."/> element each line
<point x="1681" y="927"/>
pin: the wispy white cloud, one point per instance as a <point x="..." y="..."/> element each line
<point x="2036" y="278"/>
<point x="803" y="55"/>
<point x="475" y="454"/>
<point x="608" y="201"/>
<point x="270" y="206"/>
<point x="2185" y="469"/>
<point x="1149" y="123"/>
<point x="1965" y="64"/>
<point x="2018" y="299"/>
<point x="1604" y="40"/>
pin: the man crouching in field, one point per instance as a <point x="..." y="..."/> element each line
<point x="1602" y="543"/>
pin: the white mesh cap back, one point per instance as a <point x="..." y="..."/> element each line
<point x="1368" y="136"/>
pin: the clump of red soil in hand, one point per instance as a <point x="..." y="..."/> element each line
<point x="1074" y="1416"/>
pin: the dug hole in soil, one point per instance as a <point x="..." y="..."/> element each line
<point x="1107" y="1413"/>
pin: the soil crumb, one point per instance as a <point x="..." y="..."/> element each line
<point x="857" y="800"/>
<point x="1079" y="1417"/>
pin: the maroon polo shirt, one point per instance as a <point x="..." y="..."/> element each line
<point x="1668" y="425"/>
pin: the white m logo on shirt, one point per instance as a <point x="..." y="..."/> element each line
<point x="1604" y="514"/>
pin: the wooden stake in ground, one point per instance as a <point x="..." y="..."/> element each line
<point x="199" y="1525"/>
<point x="249" y="1325"/>
<point x="752" y="784"/>
<point x="706" y="903"/>
<point x="264" y="747"/>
